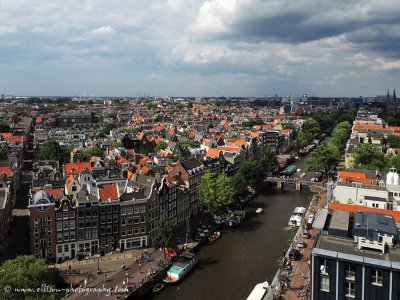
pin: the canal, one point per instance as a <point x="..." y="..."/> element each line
<point x="242" y="257"/>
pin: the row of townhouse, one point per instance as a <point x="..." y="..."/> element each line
<point x="97" y="215"/>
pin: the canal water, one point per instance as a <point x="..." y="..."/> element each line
<point x="245" y="256"/>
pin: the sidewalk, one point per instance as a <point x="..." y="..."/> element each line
<point x="100" y="287"/>
<point x="300" y="285"/>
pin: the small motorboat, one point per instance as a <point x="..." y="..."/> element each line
<point x="158" y="287"/>
<point x="214" y="236"/>
<point x="259" y="210"/>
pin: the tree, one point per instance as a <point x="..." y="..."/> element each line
<point x="341" y="134"/>
<point x="3" y="155"/>
<point x="116" y="145"/>
<point x="269" y="161"/>
<point x="106" y="129"/>
<point x="207" y="188"/>
<point x="224" y="190"/>
<point x="323" y="158"/>
<point x="66" y="153"/>
<point x="161" y="145"/>
<point x="369" y="156"/>
<point x="239" y="183"/>
<point x="393" y="161"/>
<point x="189" y="144"/>
<point x="301" y="140"/>
<point x="252" y="172"/>
<point x="93" y="151"/>
<point x="311" y="129"/>
<point x="50" y="150"/>
<point x="393" y="141"/>
<point x="4" y="128"/>
<point x="29" y="275"/>
<point x="165" y="233"/>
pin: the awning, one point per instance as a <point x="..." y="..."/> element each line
<point x="320" y="219"/>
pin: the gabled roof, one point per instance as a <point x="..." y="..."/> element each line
<point x="7" y="171"/>
<point x="213" y="153"/>
<point x="76" y="168"/>
<point x="70" y="179"/>
<point x="108" y="192"/>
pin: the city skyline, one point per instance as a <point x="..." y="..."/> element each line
<point x="199" y="48"/>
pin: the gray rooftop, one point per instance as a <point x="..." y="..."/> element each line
<point x="340" y="220"/>
<point x="332" y="246"/>
<point x="374" y="222"/>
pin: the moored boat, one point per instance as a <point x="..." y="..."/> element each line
<point x="259" y="210"/>
<point x="297" y="216"/>
<point x="214" y="236"/>
<point x="236" y="218"/>
<point x="181" y="268"/>
<point x="289" y="170"/>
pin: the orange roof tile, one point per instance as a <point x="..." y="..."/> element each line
<point x="213" y="153"/>
<point x="76" y="168"/>
<point x="236" y="143"/>
<point x="7" y="171"/>
<point x="355" y="177"/>
<point x="144" y="170"/>
<point x="70" y="179"/>
<point x="108" y="191"/>
<point x="355" y="208"/>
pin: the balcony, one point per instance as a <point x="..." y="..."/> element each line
<point x="363" y="243"/>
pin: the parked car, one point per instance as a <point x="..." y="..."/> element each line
<point x="200" y="232"/>
<point x="294" y="254"/>
<point x="217" y="219"/>
<point x="228" y="209"/>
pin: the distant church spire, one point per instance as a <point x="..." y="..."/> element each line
<point x="387" y="95"/>
<point x="394" y="94"/>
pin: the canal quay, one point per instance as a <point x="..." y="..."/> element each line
<point x="245" y="256"/>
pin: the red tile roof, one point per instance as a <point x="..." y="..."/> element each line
<point x="213" y="153"/>
<point x="356" y="177"/>
<point x="7" y="171"/>
<point x="108" y="191"/>
<point x="76" y="168"/>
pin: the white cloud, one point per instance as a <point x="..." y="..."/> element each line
<point x="103" y="30"/>
<point x="381" y="64"/>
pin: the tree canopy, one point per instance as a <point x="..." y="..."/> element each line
<point x="165" y="233"/>
<point x="93" y="151"/>
<point x="50" y="150"/>
<point x="3" y="155"/>
<point x="369" y="156"/>
<point x="216" y="191"/>
<point x="269" y="161"/>
<point x="250" y="173"/>
<point x="341" y="134"/>
<point x="4" y="128"/>
<point x="323" y="158"/>
<point x="161" y="145"/>
<point x="393" y="141"/>
<point x="28" y="274"/>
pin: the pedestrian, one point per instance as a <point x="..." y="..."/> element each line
<point x="105" y="277"/>
<point x="69" y="268"/>
<point x="302" y="275"/>
<point x="127" y="275"/>
<point x="284" y="252"/>
<point x="140" y="267"/>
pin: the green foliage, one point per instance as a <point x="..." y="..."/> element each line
<point x="50" y="150"/>
<point x="393" y="141"/>
<point x="189" y="144"/>
<point x="393" y="161"/>
<point x="369" y="156"/>
<point x="28" y="273"/>
<point x="312" y="129"/>
<point x="172" y="158"/>
<point x="66" y="153"/>
<point x="251" y="171"/>
<point x="239" y="183"/>
<point x="93" y="151"/>
<point x="216" y="191"/>
<point x="269" y="161"/>
<point x="4" y="128"/>
<point x="323" y="158"/>
<point x="301" y="140"/>
<point x="207" y="188"/>
<point x="116" y="145"/>
<point x="106" y="129"/>
<point x="341" y="134"/>
<point x="3" y="155"/>
<point x="161" y="145"/>
<point x="165" y="233"/>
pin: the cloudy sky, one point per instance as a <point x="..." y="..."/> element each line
<point x="199" y="48"/>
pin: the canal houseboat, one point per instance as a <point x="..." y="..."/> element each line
<point x="236" y="218"/>
<point x="297" y="216"/>
<point x="181" y="268"/>
<point x="289" y="170"/>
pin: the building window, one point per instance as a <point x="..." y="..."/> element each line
<point x="59" y="237"/>
<point x="59" y="226"/>
<point x="350" y="273"/>
<point x="130" y="210"/>
<point x="123" y="211"/>
<point x="72" y="224"/>
<point x="324" y="267"/>
<point x="324" y="283"/>
<point x="376" y="277"/>
<point x="136" y="210"/>
<point x="72" y="215"/>
<point x="59" y="216"/>
<point x="123" y="221"/>
<point x="350" y="290"/>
